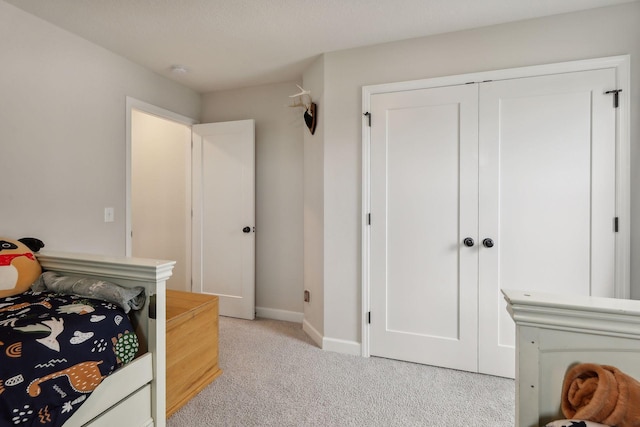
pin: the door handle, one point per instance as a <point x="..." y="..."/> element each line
<point x="246" y="230"/>
<point x="468" y="242"/>
<point x="487" y="243"/>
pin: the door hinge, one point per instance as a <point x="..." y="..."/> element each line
<point x="615" y="224"/>
<point x="368" y="116"/>
<point x="368" y="219"/>
<point x="369" y="317"/>
<point x="615" y="96"/>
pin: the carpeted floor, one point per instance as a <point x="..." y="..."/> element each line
<point x="275" y="376"/>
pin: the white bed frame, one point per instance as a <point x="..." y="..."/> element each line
<point x="554" y="332"/>
<point x="135" y="394"/>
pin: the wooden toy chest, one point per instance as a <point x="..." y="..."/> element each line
<point x="192" y="346"/>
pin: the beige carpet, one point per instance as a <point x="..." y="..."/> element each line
<point x="275" y="376"/>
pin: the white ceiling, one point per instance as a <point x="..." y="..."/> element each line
<point x="237" y="43"/>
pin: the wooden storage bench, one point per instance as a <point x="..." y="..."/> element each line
<point x="192" y="346"/>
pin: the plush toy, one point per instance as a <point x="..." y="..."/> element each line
<point x="19" y="267"/>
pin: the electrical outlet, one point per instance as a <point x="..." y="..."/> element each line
<point x="307" y="296"/>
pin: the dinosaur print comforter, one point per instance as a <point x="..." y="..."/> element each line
<point x="54" y="351"/>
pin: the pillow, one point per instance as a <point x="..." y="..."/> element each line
<point x="18" y="265"/>
<point x="574" y="423"/>
<point x="126" y="298"/>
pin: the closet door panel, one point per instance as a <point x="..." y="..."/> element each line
<point x="423" y="204"/>
<point x="547" y="196"/>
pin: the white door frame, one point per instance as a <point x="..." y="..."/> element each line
<point x="136" y="104"/>
<point x="623" y="210"/>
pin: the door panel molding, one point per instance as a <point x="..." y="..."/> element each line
<point x="621" y="66"/>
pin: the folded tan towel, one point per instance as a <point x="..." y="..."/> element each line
<point x="602" y="394"/>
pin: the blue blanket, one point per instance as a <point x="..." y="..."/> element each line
<point x="54" y="351"/>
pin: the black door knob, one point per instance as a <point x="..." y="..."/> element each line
<point x="246" y="230"/>
<point x="468" y="242"/>
<point x="487" y="243"/>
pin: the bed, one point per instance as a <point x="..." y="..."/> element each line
<point x="133" y="395"/>
<point x="556" y="332"/>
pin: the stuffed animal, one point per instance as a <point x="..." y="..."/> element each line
<point x="19" y="267"/>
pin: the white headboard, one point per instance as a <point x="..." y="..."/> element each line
<point x="555" y="332"/>
<point x="149" y="322"/>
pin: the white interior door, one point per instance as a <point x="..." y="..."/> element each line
<point x="224" y="215"/>
<point x="424" y="163"/>
<point x="547" y="196"/>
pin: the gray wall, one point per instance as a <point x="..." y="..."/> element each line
<point x="595" y="33"/>
<point x="62" y="133"/>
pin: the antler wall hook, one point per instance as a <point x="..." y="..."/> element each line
<point x="310" y="114"/>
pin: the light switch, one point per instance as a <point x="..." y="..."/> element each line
<point x="108" y="215"/>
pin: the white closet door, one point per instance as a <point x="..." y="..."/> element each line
<point x="547" y="196"/>
<point x="224" y="215"/>
<point x="423" y="204"/>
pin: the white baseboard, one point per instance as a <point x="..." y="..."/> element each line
<point x="341" y="346"/>
<point x="331" y="344"/>
<point x="275" y="314"/>
<point x="312" y="332"/>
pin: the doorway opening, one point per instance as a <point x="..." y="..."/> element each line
<point x="159" y="196"/>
